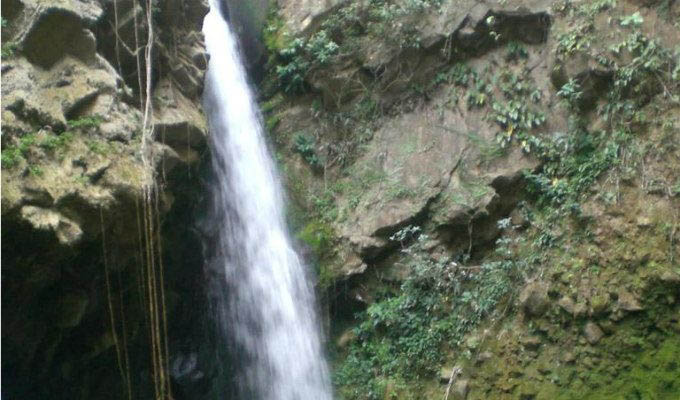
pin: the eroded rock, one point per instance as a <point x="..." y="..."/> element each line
<point x="592" y="332"/>
<point x="66" y="230"/>
<point x="534" y="299"/>
<point x="628" y="302"/>
<point x="59" y="30"/>
<point x="567" y="304"/>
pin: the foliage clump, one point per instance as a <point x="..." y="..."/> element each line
<point x="54" y="143"/>
<point x="405" y="334"/>
<point x="305" y="147"/>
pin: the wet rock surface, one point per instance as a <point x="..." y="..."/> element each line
<point x="73" y="184"/>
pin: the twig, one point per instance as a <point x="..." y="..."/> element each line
<point x="455" y="371"/>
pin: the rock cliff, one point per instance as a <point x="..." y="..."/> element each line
<point x="477" y="187"/>
<point x="74" y="184"/>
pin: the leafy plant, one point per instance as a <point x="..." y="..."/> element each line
<point x="35" y="170"/>
<point x="321" y="47"/>
<point x="516" y="51"/>
<point x="517" y="119"/>
<point x="304" y="146"/>
<point x="478" y="95"/>
<point x="571" y="93"/>
<point x="12" y="155"/>
<point x="632" y="20"/>
<point x="54" y="142"/>
<point x="295" y="59"/>
<point x="90" y="121"/>
<point x="9" y="49"/>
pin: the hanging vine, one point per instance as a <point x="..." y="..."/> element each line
<point x="151" y="276"/>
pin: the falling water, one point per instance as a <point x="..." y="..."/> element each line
<point x="269" y="309"/>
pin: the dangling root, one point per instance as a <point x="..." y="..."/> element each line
<point x="150" y="279"/>
<point x="124" y="376"/>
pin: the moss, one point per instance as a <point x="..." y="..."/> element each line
<point x="318" y="235"/>
<point x="654" y="374"/>
<point x="275" y="36"/>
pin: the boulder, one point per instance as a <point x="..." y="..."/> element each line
<point x="628" y="302"/>
<point x="460" y="389"/>
<point x="592" y="332"/>
<point x="346" y="339"/>
<point x="567" y="304"/>
<point x="580" y="310"/>
<point x="303" y="15"/>
<point x="671" y="278"/>
<point x="568" y="357"/>
<point x="531" y="342"/>
<point x="534" y="299"/>
<point x="599" y="305"/>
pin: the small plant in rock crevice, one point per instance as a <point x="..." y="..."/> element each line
<point x="516" y="51"/>
<point x="9" y="49"/>
<point x="53" y="143"/>
<point x="304" y="146"/>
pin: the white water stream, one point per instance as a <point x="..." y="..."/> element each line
<point x="270" y="308"/>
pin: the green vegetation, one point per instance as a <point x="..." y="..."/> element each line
<point x="35" y="170"/>
<point x="56" y="142"/>
<point x="337" y="36"/>
<point x="571" y="93"/>
<point x="90" y="121"/>
<point x="572" y="163"/>
<point x="319" y="236"/>
<point x="53" y="143"/>
<point x="405" y="334"/>
<point x="305" y="147"/>
<point x="98" y="146"/>
<point x="653" y="375"/>
<point x="411" y="327"/>
<point x="272" y="119"/>
<point x="9" y="49"/>
<point x="12" y="155"/>
<point x="516" y="51"/>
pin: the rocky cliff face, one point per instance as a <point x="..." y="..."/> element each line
<point x="73" y="184"/>
<point x="476" y="184"/>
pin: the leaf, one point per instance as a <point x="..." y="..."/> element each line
<point x="634" y="20"/>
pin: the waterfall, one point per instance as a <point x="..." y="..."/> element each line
<point x="269" y="309"/>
